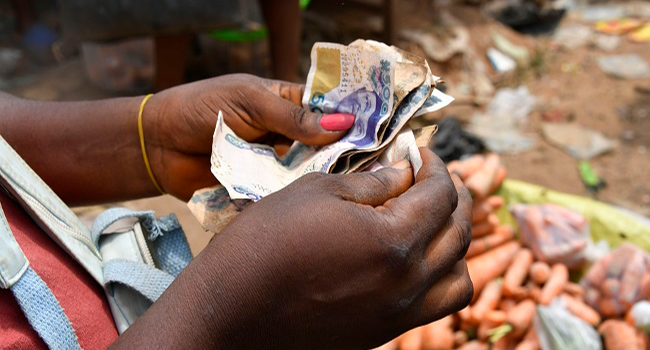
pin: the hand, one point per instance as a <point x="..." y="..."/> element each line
<point x="180" y="122"/>
<point x="334" y="262"/>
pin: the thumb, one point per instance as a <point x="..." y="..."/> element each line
<point x="376" y="188"/>
<point x="284" y="117"/>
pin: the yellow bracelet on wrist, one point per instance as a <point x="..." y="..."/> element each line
<point x="144" y="151"/>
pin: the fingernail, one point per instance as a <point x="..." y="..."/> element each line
<point x="337" y="121"/>
<point x="402" y="164"/>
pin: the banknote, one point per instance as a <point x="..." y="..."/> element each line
<point x="383" y="86"/>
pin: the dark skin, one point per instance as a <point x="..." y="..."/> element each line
<point x="329" y="262"/>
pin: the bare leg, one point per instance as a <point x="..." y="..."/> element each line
<point x="284" y="23"/>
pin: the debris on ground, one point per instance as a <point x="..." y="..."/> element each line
<point x="452" y="142"/>
<point x="630" y="66"/>
<point x="578" y="141"/>
<point x="500" y="125"/>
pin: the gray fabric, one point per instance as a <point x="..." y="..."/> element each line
<point x="146" y="280"/>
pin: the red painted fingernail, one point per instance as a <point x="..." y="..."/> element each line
<point x="337" y="121"/>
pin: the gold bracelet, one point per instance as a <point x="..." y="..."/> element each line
<point x="144" y="151"/>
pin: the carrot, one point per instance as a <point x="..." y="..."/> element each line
<point x="582" y="310"/>
<point x="574" y="289"/>
<point x="507" y="304"/>
<point x="490" y="265"/>
<point x="619" y="335"/>
<point x="481" y="211"/>
<point x="411" y="340"/>
<point x="484" y="328"/>
<point x="504" y="343"/>
<point x="485" y="227"/>
<point x="540" y="272"/>
<point x="497" y="317"/>
<point x="488" y="300"/>
<point x="533" y="290"/>
<point x="438" y="335"/>
<point x="517" y="272"/>
<point x="598" y="271"/>
<point x="455" y="167"/>
<point x="470" y="165"/>
<point x="530" y="341"/>
<point x="610" y="307"/>
<point x="555" y="284"/>
<point x="465" y="314"/>
<point x="521" y="317"/>
<point x="481" y="245"/>
<point x="480" y="182"/>
<point x="460" y="338"/>
<point x="474" y="345"/>
<point x="499" y="177"/>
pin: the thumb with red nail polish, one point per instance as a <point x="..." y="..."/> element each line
<point x="337" y="121"/>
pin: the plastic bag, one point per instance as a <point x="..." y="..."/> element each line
<point x="558" y="329"/>
<point x="554" y="233"/>
<point x="618" y="280"/>
<point x="640" y="315"/>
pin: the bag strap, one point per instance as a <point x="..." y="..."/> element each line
<point x="149" y="281"/>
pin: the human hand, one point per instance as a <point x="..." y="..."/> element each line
<point x="179" y="124"/>
<point x="340" y="261"/>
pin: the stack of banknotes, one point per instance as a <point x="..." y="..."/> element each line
<point x="383" y="86"/>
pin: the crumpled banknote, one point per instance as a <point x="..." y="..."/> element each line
<point x="383" y="86"/>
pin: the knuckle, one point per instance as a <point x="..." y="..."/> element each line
<point x="398" y="255"/>
<point x="451" y="194"/>
<point x="466" y="291"/>
<point x="299" y="117"/>
<point x="463" y="229"/>
<point x="380" y="179"/>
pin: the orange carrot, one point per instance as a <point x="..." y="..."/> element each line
<point x="455" y="167"/>
<point x="483" y="244"/>
<point x="533" y="290"/>
<point x="631" y="279"/>
<point x="485" y="227"/>
<point x="504" y="343"/>
<point x="479" y="183"/>
<point x="507" y="304"/>
<point x="555" y="284"/>
<point x="521" y="317"/>
<point x="460" y="338"/>
<point x="438" y="335"/>
<point x="484" y="328"/>
<point x="490" y="265"/>
<point x="465" y="314"/>
<point x="517" y="272"/>
<point x="488" y="300"/>
<point x="481" y="210"/>
<point x="540" y="272"/>
<point x="530" y="342"/>
<point x="582" y="310"/>
<point x="499" y="177"/>
<point x="411" y="340"/>
<point x="619" y="335"/>
<point x="474" y="345"/>
<point x="470" y="165"/>
<point x="574" y="290"/>
<point x="610" y="307"/>
<point x="497" y="317"/>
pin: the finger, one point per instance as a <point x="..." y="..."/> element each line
<point x="450" y="245"/>
<point x="424" y="209"/>
<point x="375" y="188"/>
<point x="289" y="91"/>
<point x="449" y="294"/>
<point x="284" y="117"/>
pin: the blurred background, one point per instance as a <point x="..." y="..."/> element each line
<point x="560" y="88"/>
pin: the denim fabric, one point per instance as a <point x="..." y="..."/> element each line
<point x="146" y="280"/>
<point x="171" y="247"/>
<point x="44" y="312"/>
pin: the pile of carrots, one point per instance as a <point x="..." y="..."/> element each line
<point x="508" y="282"/>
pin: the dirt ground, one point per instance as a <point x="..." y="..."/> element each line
<point x="618" y="108"/>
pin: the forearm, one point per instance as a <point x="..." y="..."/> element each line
<point x="224" y="299"/>
<point x="88" y="152"/>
